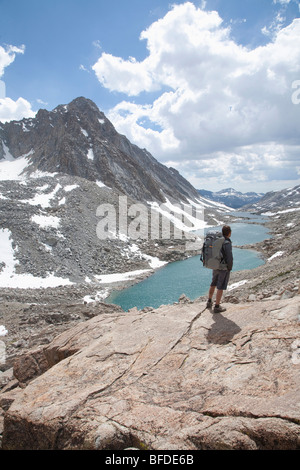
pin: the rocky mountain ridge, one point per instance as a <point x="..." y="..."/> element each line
<point x="77" y="139"/>
<point x="275" y="201"/>
<point x="231" y="198"/>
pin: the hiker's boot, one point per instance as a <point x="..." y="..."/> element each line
<point x="219" y="309"/>
<point x="209" y="304"/>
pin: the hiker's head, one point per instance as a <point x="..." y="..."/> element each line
<point x="226" y="231"/>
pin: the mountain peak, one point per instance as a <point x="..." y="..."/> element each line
<point x="83" y="104"/>
<point x="80" y="105"/>
<point x="228" y="191"/>
<point x="77" y="139"/>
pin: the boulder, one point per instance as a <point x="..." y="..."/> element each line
<point x="30" y="365"/>
<point x="174" y="378"/>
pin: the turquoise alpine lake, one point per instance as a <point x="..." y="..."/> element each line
<point x="189" y="277"/>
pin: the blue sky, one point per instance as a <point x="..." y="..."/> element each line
<point x="205" y="86"/>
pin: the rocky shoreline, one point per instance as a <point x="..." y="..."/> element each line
<point x="280" y="274"/>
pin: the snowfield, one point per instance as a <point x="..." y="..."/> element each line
<point x="8" y="263"/>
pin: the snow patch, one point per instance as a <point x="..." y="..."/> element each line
<point x="237" y="284"/>
<point x="70" y="187"/>
<point x="8" y="275"/>
<point x="269" y="213"/>
<point x="208" y="203"/>
<point x="24" y="128"/>
<point x="41" y="174"/>
<point x="43" y="200"/>
<point x="90" y="154"/>
<point x="118" y="277"/>
<point x="84" y="132"/>
<point x="7" y="155"/>
<point x="278" y="253"/>
<point x="11" y="168"/>
<point x="154" y="261"/>
<point x="100" y="296"/>
<point x="3" y="330"/>
<point x="47" y="248"/>
<point x="101" y="185"/>
<point x="46" y="221"/>
<point x="62" y="201"/>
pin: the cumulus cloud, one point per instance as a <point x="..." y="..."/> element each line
<point x="10" y="109"/>
<point x="127" y="76"/>
<point x="15" y="110"/>
<point x="261" y="167"/>
<point x="215" y="99"/>
<point x="7" y="56"/>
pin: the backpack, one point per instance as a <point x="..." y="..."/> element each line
<point x="211" y="255"/>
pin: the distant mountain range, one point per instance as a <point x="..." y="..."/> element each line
<point x="231" y="198"/>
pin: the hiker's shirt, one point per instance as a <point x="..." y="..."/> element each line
<point x="227" y="253"/>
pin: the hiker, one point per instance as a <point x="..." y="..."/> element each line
<point x="220" y="277"/>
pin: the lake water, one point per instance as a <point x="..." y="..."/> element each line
<point x="189" y="277"/>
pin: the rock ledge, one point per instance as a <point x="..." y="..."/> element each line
<point x="178" y="377"/>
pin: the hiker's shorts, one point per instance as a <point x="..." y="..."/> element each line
<point x="220" y="278"/>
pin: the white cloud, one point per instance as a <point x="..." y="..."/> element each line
<point x="10" y="109"/>
<point x="41" y="102"/>
<point x="127" y="76"/>
<point x="282" y="2"/>
<point x="15" y="110"/>
<point x="275" y="26"/>
<point x="266" y="166"/>
<point x="97" y="44"/>
<point x="7" y="56"/>
<point x="218" y="100"/>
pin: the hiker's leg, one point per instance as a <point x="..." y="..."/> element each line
<point x="222" y="285"/>
<point x="218" y="308"/>
<point x="211" y="292"/>
<point x="213" y="284"/>
<point x="219" y="296"/>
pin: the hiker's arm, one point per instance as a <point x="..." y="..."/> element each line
<point x="228" y="255"/>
